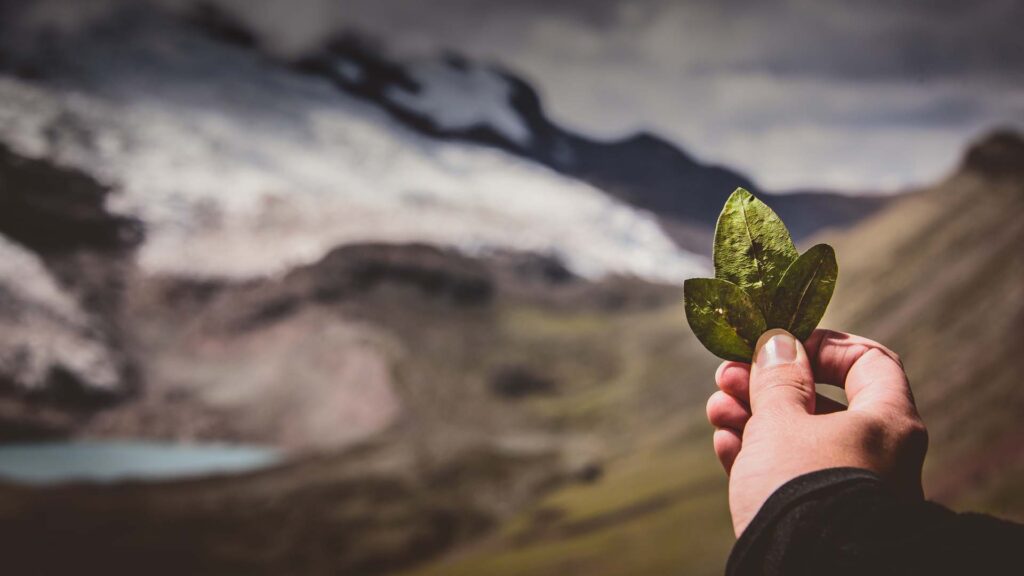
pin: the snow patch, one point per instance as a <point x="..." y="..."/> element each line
<point x="43" y="329"/>
<point x="240" y="169"/>
<point x="349" y="71"/>
<point x="462" y="97"/>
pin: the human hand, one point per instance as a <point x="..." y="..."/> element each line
<point x="771" y="426"/>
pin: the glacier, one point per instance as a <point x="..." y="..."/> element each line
<point x="240" y="167"/>
<point x="461" y="97"/>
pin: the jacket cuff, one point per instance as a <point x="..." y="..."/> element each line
<point x="755" y="549"/>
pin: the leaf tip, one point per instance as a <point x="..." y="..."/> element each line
<point x="825" y="249"/>
<point x="738" y="194"/>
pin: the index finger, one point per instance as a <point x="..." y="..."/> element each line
<point x="871" y="374"/>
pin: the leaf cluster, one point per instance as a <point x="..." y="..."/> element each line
<point x="761" y="282"/>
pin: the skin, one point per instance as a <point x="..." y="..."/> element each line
<point x="771" y="426"/>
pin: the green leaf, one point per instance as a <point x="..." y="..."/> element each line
<point x="723" y="317"/>
<point x="760" y="282"/>
<point x="753" y="249"/>
<point x="804" y="292"/>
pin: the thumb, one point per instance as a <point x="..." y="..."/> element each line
<point x="781" y="377"/>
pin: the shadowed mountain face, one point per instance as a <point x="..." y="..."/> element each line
<point x="65" y="265"/>
<point x="52" y="210"/>
<point x="939" y="277"/>
<point x="301" y="156"/>
<point x="453" y="98"/>
<point x="217" y="149"/>
<point x="644" y="170"/>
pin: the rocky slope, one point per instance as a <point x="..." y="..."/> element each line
<point x="940" y="278"/>
<point x="65" y="260"/>
<point x="402" y="379"/>
<point x="452" y="98"/>
<point x="455" y="152"/>
<point x="554" y="413"/>
<point x="216" y="150"/>
<point x="425" y="396"/>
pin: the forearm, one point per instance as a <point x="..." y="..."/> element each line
<point x="844" y="521"/>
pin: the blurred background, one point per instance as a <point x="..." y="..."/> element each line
<point x="392" y="287"/>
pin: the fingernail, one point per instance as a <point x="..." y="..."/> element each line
<point x="777" y="347"/>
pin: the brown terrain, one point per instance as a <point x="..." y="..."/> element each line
<point x="940" y="278"/>
<point x="457" y="415"/>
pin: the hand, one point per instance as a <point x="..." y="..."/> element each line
<point x="771" y="426"/>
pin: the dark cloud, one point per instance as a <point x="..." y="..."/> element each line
<point x="863" y="39"/>
<point x="921" y="40"/>
<point x="852" y="94"/>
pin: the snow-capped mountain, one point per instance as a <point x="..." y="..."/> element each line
<point x="453" y="98"/>
<point x="239" y="166"/>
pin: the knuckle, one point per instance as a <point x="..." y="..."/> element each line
<point x="880" y="353"/>
<point x="874" y="432"/>
<point x="876" y="354"/>
<point x="713" y="407"/>
<point x="784" y="381"/>
<point x="913" y="435"/>
<point x="905" y="434"/>
<point x="894" y="435"/>
<point x="828" y="335"/>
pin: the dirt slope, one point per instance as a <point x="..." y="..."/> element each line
<point x="939" y="277"/>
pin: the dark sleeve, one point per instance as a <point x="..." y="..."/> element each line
<point x="844" y="521"/>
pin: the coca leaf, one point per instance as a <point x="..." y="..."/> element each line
<point x="753" y="248"/>
<point x="723" y="317"/>
<point x="804" y="292"/>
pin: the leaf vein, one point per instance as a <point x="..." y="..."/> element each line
<point x="753" y="247"/>
<point x="803" y="293"/>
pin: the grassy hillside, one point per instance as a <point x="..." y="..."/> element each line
<point x="940" y="279"/>
<point x="939" y="276"/>
<point x="544" y="425"/>
<point x="510" y="380"/>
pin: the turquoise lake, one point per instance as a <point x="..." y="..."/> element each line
<point x="109" y="461"/>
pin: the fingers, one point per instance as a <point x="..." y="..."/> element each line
<point x="781" y="378"/>
<point x="729" y="416"/>
<point x="724" y="411"/>
<point x="727" y="446"/>
<point x="733" y="378"/>
<point x="833" y="353"/>
<point x="871" y="373"/>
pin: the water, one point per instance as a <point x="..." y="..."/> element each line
<point x="108" y="461"/>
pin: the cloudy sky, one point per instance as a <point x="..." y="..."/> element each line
<point x="857" y="96"/>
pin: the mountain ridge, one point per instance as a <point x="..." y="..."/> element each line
<point x="642" y="169"/>
<point x="217" y="149"/>
<point x="939" y="277"/>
